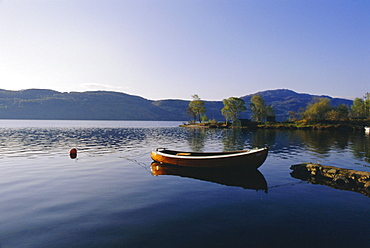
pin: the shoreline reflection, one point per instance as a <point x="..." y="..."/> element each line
<point x="286" y="144"/>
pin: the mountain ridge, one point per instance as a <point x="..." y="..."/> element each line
<point x="111" y="105"/>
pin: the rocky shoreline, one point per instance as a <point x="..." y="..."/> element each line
<point x="334" y="177"/>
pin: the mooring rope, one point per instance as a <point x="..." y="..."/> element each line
<point x="364" y="165"/>
<point x="287" y="184"/>
<point x="141" y="164"/>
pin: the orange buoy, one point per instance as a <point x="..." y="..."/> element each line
<point x="73" y="153"/>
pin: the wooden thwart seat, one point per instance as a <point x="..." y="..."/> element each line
<point x="183" y="154"/>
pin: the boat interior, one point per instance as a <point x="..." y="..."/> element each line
<point x="180" y="153"/>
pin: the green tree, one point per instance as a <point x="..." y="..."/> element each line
<point x="204" y="118"/>
<point x="332" y="115"/>
<point x="192" y="114"/>
<point x="318" y="110"/>
<point x="358" y="108"/>
<point x="259" y="111"/>
<point x="339" y="113"/>
<point x="270" y="113"/>
<point x="367" y="104"/>
<point x="343" y="112"/>
<point x="196" y="108"/>
<point x="232" y="108"/>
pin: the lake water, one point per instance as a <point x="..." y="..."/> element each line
<point x="110" y="196"/>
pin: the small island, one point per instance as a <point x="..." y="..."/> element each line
<point x="318" y="115"/>
<point x="287" y="125"/>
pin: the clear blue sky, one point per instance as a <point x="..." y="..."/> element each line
<point x="172" y="49"/>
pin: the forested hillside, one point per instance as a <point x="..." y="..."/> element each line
<point x="105" y="105"/>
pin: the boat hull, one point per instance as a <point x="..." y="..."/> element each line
<point x="251" y="158"/>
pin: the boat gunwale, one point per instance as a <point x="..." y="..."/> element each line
<point x="227" y="155"/>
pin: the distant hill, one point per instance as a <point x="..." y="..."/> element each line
<point x="94" y="105"/>
<point x="284" y="100"/>
<point x="106" y="105"/>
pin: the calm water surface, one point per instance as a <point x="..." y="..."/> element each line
<point x="111" y="196"/>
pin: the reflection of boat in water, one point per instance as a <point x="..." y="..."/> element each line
<point x="233" y="176"/>
<point x="338" y="178"/>
<point x="252" y="159"/>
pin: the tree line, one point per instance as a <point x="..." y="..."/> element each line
<point x="321" y="110"/>
<point x="233" y="107"/>
<point x="318" y="110"/>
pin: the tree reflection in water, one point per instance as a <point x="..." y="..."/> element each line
<point x="284" y="143"/>
<point x="320" y="143"/>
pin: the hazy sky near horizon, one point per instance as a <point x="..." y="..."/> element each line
<point x="168" y="49"/>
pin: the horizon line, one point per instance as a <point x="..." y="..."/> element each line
<point x="351" y="98"/>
